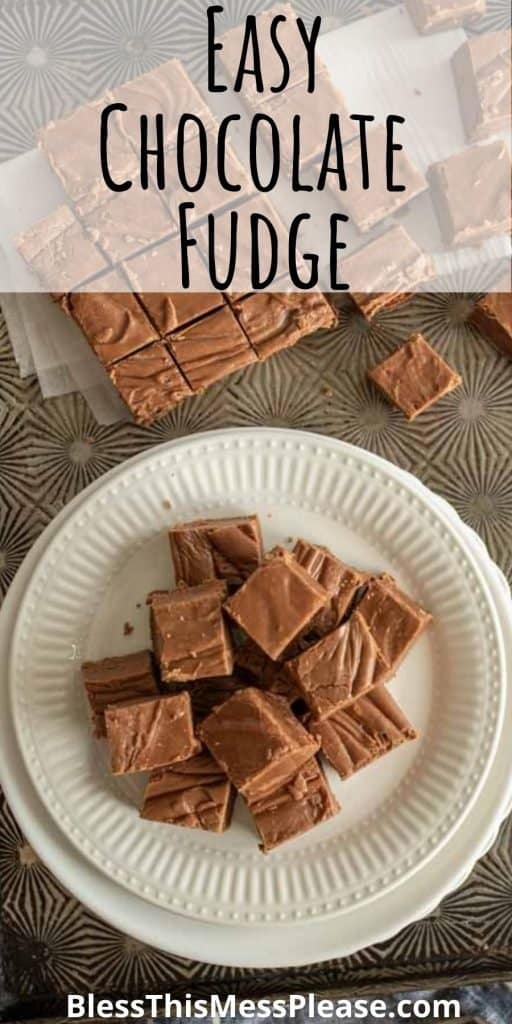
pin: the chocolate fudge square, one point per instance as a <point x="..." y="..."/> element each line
<point x="353" y="738"/>
<point x="471" y="193"/>
<point x="295" y="807"/>
<point x="342" y="583"/>
<point x="193" y="794"/>
<point x="276" y="603"/>
<point x="59" y="252"/>
<point x="314" y="110"/>
<point x="150" y="383"/>
<point x="394" y="619"/>
<point x="207" y="694"/>
<point x="492" y="316"/>
<point x="114" y="680"/>
<point x="481" y="67"/>
<point x="383" y="273"/>
<point x="276" y="320"/>
<point x="129" y="221"/>
<point x="190" y="638"/>
<point x="208" y="549"/>
<point x="257" y="741"/>
<point x="210" y="349"/>
<point x="150" y="733"/>
<point x="414" y="377"/>
<point x="439" y="15"/>
<point x="113" y="322"/>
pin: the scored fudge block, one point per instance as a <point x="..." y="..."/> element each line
<point x="276" y="320"/>
<point x="482" y="73"/>
<point x="211" y="348"/>
<point x="342" y="583"/>
<point x="415" y="377"/>
<point x="342" y="666"/>
<point x="211" y="197"/>
<point x="361" y="733"/>
<point x="59" y="252"/>
<point x="295" y="807"/>
<point x="150" y="383"/>
<point x="492" y="316"/>
<point x="438" y="15"/>
<point x="207" y="549"/>
<point x="383" y="273"/>
<point x="114" y="680"/>
<point x="128" y="221"/>
<point x="471" y="193"/>
<point x="194" y="794"/>
<point x="257" y="741"/>
<point x="394" y="619"/>
<point x="190" y="637"/>
<point x="150" y="733"/>
<point x="276" y="603"/>
<point x="113" y="322"/>
<point x="314" y="110"/>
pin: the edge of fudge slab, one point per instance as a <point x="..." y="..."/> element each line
<point x="229" y="548"/>
<point x="395" y="620"/>
<point x="150" y="733"/>
<point x="59" y="251"/>
<point x="149" y="382"/>
<point x="295" y="807"/>
<point x="273" y="321"/>
<point x="384" y="273"/>
<point x="192" y="794"/>
<point x="116" y="679"/>
<point x="414" y="377"/>
<point x="190" y="637"/>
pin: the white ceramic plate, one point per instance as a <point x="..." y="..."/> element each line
<point x="112" y="550"/>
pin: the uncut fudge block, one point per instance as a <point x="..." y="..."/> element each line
<point x="342" y="583"/>
<point x="257" y="741"/>
<point x="493" y="317"/>
<point x="59" y="252"/>
<point x="383" y="273"/>
<point x="190" y="637"/>
<point x="438" y="15"/>
<point x="207" y="549"/>
<point x="394" y="619"/>
<point x="471" y="193"/>
<point x="150" y="733"/>
<point x="113" y="322"/>
<point x="150" y="383"/>
<point x="193" y="794"/>
<point x="210" y="349"/>
<point x="314" y="110"/>
<point x="295" y="807"/>
<point x="276" y="603"/>
<point x="114" y="680"/>
<point x="276" y="320"/>
<point x="481" y="67"/>
<point x="342" y="666"/>
<point x="361" y="733"/>
<point x="414" y="377"/>
<point x="127" y="222"/>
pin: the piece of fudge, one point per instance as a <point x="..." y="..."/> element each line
<point x="439" y="15"/>
<point x="112" y="320"/>
<point x="276" y="603"/>
<point x="276" y="320"/>
<point x="314" y="110"/>
<point x="58" y="250"/>
<point x="207" y="694"/>
<point x="383" y="274"/>
<point x="256" y="667"/>
<point x="206" y="549"/>
<point x="211" y="348"/>
<point x="194" y="794"/>
<point x="190" y="637"/>
<point x="394" y="619"/>
<point x="212" y="197"/>
<point x="415" y="377"/>
<point x="295" y="807"/>
<point x="492" y="316"/>
<point x="357" y="735"/>
<point x="342" y="583"/>
<point x="471" y="193"/>
<point x="128" y="221"/>
<point x="114" y="680"/>
<point x="257" y="741"/>
<point x="481" y="67"/>
<point x="150" y="733"/>
<point x="149" y="382"/>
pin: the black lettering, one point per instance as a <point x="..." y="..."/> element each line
<point x="250" y="40"/>
<point x="257" y="280"/>
<point x="186" y="242"/>
<point x="333" y="137"/>
<point x="293" y="258"/>
<point x="336" y="246"/>
<point x="180" y="153"/>
<point x="391" y="148"/>
<point x="275" y="149"/>
<point x="105" y="170"/>
<point x="213" y="47"/>
<point x="280" y="52"/>
<point x="221" y="155"/>
<point x="145" y="151"/>
<point x="233" y="227"/>
<point x="363" y="120"/>
<point x="310" y="40"/>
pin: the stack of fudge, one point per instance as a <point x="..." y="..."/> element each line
<point x="260" y="664"/>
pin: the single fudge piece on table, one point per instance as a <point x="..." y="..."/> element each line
<point x="295" y="807"/>
<point x="211" y="348"/>
<point x="276" y="320"/>
<point x="482" y="73"/>
<point x="341" y="667"/>
<point x="257" y="741"/>
<point x="276" y="603"/>
<point x="114" y="680"/>
<point x="113" y="322"/>
<point x="190" y="637"/>
<point x="206" y="549"/>
<point x="415" y="377"/>
<point x="383" y="274"/>
<point x="471" y="193"/>
<point x="394" y="619"/>
<point x="194" y="794"/>
<point x="150" y="383"/>
<point x="342" y="583"/>
<point x="150" y="733"/>
<point x="58" y="250"/>
<point x="438" y="15"/>
<point x="493" y="317"/>
<point x="361" y="733"/>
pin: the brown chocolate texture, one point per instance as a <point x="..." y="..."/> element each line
<point x="415" y="377"/>
<point x="394" y="619"/>
<point x="114" y="680"/>
<point x="383" y="273"/>
<point x="150" y="733"/>
<point x="58" y="247"/>
<point x="342" y="583"/>
<point x="113" y="322"/>
<point x="437" y="15"/>
<point x="276" y="320"/>
<point x="190" y="637"/>
<point x="193" y="794"/>
<point x="150" y="383"/>
<point x="206" y="549"/>
<point x="295" y="807"/>
<point x="211" y="349"/>
<point x="482" y="72"/>
<point x="471" y="193"/>
<point x="492" y="316"/>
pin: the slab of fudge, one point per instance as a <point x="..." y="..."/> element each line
<point x="211" y="197"/>
<point x="150" y="733"/>
<point x="394" y="619"/>
<point x="295" y="807"/>
<point x="193" y="794"/>
<point x="114" y="680"/>
<point x="127" y="222"/>
<point x="113" y="322"/>
<point x="482" y="73"/>
<point x="276" y="320"/>
<point x="366" y="207"/>
<point x="190" y="637"/>
<point x="150" y="383"/>
<point x="151" y="273"/>
<point x="414" y="377"/>
<point x="383" y="273"/>
<point x="257" y="741"/>
<point x="276" y="603"/>
<point x="211" y="348"/>
<point x="208" y="549"/>
<point x="258" y="204"/>
<point x="59" y="252"/>
<point x="314" y="110"/>
<point x="493" y="317"/>
<point x="361" y="733"/>
<point x="471" y="193"/>
<point x="342" y="583"/>
<point x="438" y="15"/>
